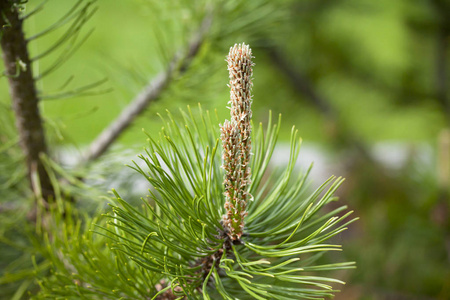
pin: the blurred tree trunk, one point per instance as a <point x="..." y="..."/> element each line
<point x="305" y="88"/>
<point x="25" y="101"/>
<point x="443" y="34"/>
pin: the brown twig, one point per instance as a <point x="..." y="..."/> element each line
<point x="149" y="94"/>
<point x="25" y="100"/>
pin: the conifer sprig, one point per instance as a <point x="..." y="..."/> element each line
<point x="236" y="140"/>
<point x="175" y="247"/>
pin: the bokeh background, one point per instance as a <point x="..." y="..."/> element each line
<point x="365" y="82"/>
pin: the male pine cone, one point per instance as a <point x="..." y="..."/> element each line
<point x="236" y="141"/>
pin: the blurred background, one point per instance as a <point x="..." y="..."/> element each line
<point x="365" y="82"/>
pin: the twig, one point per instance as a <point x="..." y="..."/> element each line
<point x="149" y="94"/>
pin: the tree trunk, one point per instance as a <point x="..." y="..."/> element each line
<point x="25" y="101"/>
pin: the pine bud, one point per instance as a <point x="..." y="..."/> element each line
<point x="236" y="142"/>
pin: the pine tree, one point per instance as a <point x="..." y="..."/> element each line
<point x="213" y="225"/>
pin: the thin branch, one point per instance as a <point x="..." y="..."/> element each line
<point x="24" y="98"/>
<point x="149" y="94"/>
<point x="302" y="86"/>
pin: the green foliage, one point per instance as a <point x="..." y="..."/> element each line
<point x="174" y="242"/>
<point x="405" y="230"/>
<point x="12" y="168"/>
<point x="82" y="265"/>
<point x="16" y="269"/>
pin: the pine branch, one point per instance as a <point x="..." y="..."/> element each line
<point x="175" y="245"/>
<point x="25" y="100"/>
<point x="149" y="94"/>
